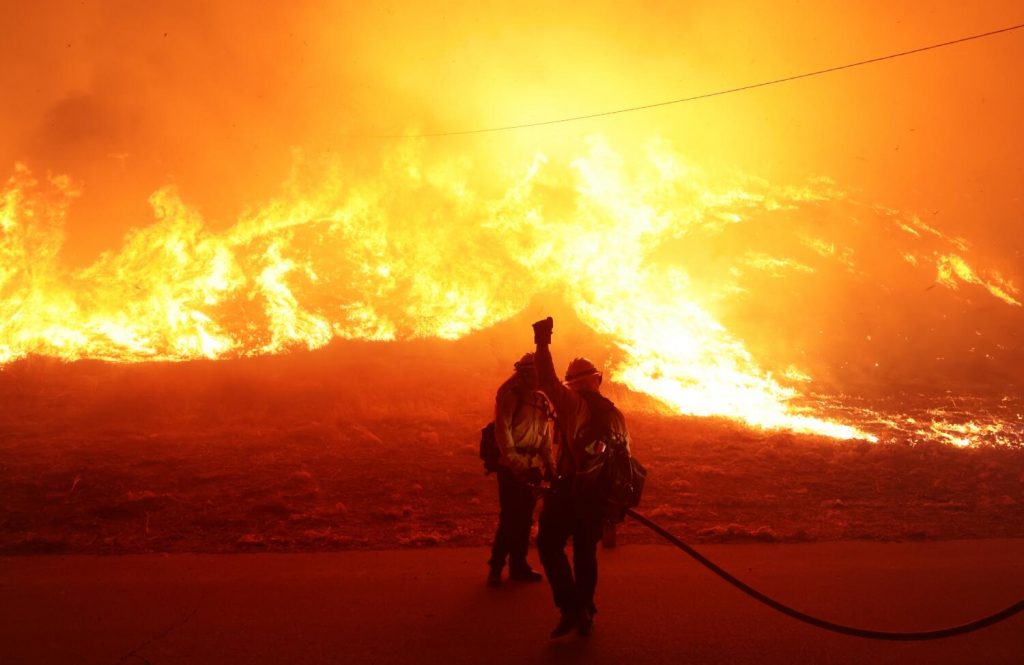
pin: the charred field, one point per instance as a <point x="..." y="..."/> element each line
<point x="344" y="448"/>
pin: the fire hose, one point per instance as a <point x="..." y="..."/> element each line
<point x="962" y="629"/>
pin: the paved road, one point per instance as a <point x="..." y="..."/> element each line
<point x="430" y="606"/>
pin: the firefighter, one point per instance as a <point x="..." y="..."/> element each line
<point x="522" y="435"/>
<point x="585" y="420"/>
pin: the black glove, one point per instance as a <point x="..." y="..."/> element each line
<point x="533" y="476"/>
<point x="542" y="331"/>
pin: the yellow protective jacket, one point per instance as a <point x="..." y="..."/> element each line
<point x="522" y="427"/>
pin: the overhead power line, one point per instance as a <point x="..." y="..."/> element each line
<point x="707" y="95"/>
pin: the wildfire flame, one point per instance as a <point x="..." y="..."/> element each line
<point x="419" y="251"/>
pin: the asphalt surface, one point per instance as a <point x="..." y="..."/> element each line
<point x="431" y="606"/>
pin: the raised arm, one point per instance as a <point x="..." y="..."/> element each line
<point x="561" y="397"/>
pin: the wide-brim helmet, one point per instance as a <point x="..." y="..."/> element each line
<point x="525" y="364"/>
<point x="579" y="369"/>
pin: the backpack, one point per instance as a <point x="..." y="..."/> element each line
<point x="611" y="479"/>
<point x="489" y="452"/>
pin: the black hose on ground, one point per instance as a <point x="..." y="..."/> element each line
<point x="917" y="636"/>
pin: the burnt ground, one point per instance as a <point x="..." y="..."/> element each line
<point x="285" y="455"/>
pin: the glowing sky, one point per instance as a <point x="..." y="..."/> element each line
<point x="213" y="96"/>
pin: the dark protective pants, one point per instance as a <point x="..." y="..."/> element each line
<point x="562" y="518"/>
<point x="517" y="501"/>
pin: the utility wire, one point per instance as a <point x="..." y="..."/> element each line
<point x="707" y="95"/>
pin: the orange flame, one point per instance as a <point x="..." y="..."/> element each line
<point x="419" y="252"/>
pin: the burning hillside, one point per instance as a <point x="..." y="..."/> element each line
<point x="721" y="294"/>
<point x="795" y="257"/>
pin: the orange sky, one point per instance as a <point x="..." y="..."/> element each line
<point x="855" y="233"/>
<point x="126" y="97"/>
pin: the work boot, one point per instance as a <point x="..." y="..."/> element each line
<point x="565" y="625"/>
<point x="524" y="574"/>
<point x="586" y="623"/>
<point x="494" y="577"/>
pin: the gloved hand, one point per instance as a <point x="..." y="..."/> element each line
<point x="542" y="331"/>
<point x="516" y="465"/>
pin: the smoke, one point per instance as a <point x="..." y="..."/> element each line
<point x="177" y="123"/>
<point x="213" y="97"/>
<point x="128" y="97"/>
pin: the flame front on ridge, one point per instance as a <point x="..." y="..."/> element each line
<point x="418" y="251"/>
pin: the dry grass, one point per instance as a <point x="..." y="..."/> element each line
<point x="309" y="453"/>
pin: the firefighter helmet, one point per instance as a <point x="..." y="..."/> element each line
<point x="580" y="368"/>
<point x="524" y="363"/>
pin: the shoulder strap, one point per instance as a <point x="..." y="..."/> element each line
<point x="600" y="408"/>
<point x="540" y="400"/>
